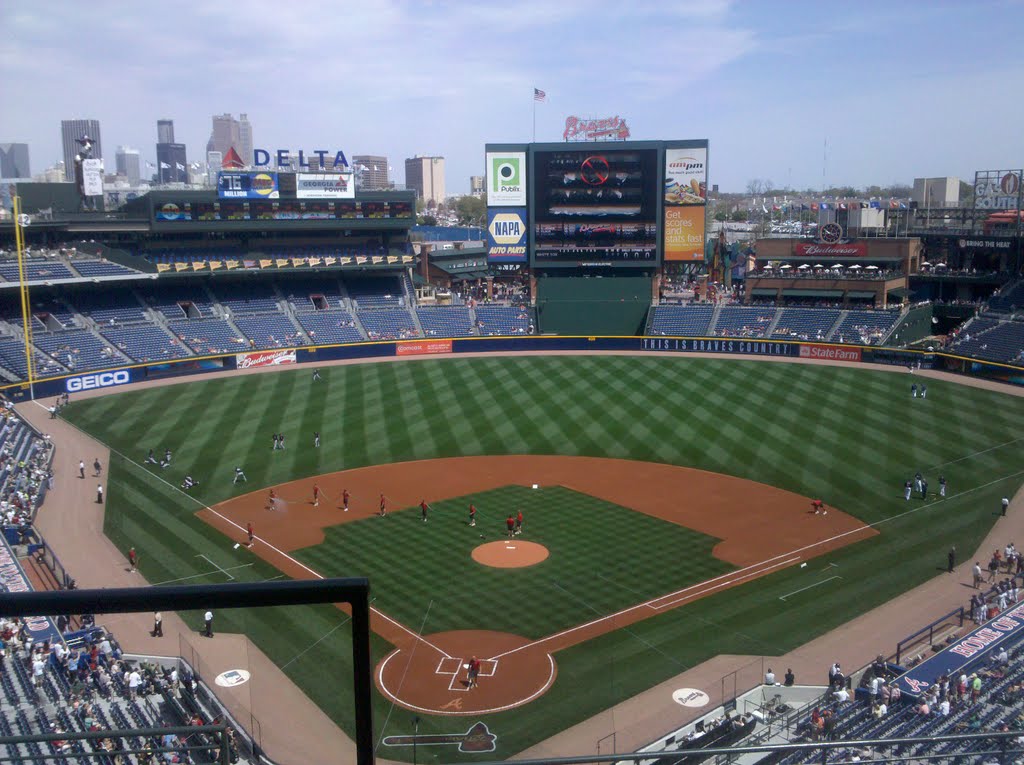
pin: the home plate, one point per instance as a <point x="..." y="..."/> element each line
<point x="510" y="547"/>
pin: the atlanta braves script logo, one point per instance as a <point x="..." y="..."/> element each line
<point x="476" y="739"/>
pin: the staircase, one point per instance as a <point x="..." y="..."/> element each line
<point x="714" y="319"/>
<point x="835" y="327"/>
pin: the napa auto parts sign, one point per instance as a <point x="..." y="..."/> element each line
<point x="605" y="129"/>
<point x="264" y="359"/>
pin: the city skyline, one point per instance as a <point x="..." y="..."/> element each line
<point x="790" y="92"/>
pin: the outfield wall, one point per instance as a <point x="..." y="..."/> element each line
<point x="118" y="376"/>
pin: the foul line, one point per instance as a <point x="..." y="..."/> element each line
<point x="196" y="576"/>
<point x="975" y="454"/>
<point x="763" y="563"/>
<point x="230" y="522"/>
<point x="794" y="592"/>
<point x="223" y="571"/>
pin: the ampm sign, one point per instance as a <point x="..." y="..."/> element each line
<point x="319" y="159"/>
<point x="99" y="380"/>
<point x="506" y="234"/>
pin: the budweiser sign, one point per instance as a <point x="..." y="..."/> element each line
<point x="264" y="359"/>
<point x="609" y="129"/>
<point x="819" y="250"/>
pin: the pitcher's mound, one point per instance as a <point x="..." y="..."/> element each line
<point x="510" y="553"/>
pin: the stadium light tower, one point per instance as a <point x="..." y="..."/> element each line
<point x="20" y="222"/>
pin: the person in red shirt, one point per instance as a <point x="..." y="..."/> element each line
<point x="316" y="495"/>
<point x="251" y="533"/>
<point x="270" y="499"/>
<point x="344" y="500"/>
<point x="383" y="505"/>
<point x="519" y="522"/>
<point x="510" y="522"/>
<point x="818" y="506"/>
<point x="133" y="560"/>
<point x="424" y="507"/>
<point x="472" y="514"/>
<point x="473" y="673"/>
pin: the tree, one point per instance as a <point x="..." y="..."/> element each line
<point x="421" y="205"/>
<point x="721" y="216"/>
<point x="470" y="210"/>
<point x="738" y="216"/>
<point x="966" y="194"/>
<point x="427" y="220"/>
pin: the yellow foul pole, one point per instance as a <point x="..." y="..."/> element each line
<point x="26" y="306"/>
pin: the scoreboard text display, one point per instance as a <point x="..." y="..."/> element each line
<point x="596" y="206"/>
<point x="247" y="185"/>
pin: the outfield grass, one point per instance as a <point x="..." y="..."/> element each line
<point x="850" y="436"/>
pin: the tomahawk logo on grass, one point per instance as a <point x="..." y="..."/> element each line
<point x="506" y="178"/>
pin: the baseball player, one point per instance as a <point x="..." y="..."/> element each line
<point x="473" y="672"/>
<point x="316" y="375"/>
<point x="96" y="467"/>
<point x="519" y="522"/>
<point x="151" y="458"/>
<point x="270" y="499"/>
<point x="942" y="486"/>
<point x="383" y="505"/>
<point x="81" y="469"/>
<point x="472" y="514"/>
<point x="1005" y="504"/>
<point x="316" y="495"/>
<point x="280" y="439"/>
<point x="251" y="533"/>
<point x="133" y="560"/>
<point x="240" y="475"/>
<point x="424" y="507"/>
<point x="344" y="499"/>
<point x="913" y="390"/>
<point x="908" y="487"/>
<point x="818" y="506"/>
<point x="924" y="391"/>
<point x="917" y="481"/>
<point x="510" y="523"/>
<point x="276" y="445"/>
<point x="316" y="439"/>
<point x="167" y="458"/>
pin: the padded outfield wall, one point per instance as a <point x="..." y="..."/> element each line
<point x="593" y="305"/>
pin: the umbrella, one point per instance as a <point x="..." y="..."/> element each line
<point x="818" y="265"/>
<point x="927" y="264"/>
<point x="854" y="267"/>
<point x="872" y="268"/>
<point x="801" y="268"/>
<point x="785" y="265"/>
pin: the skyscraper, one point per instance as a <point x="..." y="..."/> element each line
<point x="171" y="163"/>
<point x="165" y="131"/>
<point x="244" y="147"/>
<point x="73" y="129"/>
<point x="371" y="171"/>
<point x="129" y="164"/>
<point x="14" y="160"/>
<point x="229" y="133"/>
<point x="425" y="175"/>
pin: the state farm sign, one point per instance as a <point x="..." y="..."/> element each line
<point x="829" y="353"/>
<point x="819" y="250"/>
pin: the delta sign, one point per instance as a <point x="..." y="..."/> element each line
<point x="320" y="159"/>
<point x="506" y="234"/>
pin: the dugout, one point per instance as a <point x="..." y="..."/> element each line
<point x="593" y="304"/>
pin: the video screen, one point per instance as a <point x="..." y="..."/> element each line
<point x="234" y="211"/>
<point x="262" y="210"/>
<point x="205" y="211"/>
<point x="317" y="210"/>
<point x="596" y="205"/>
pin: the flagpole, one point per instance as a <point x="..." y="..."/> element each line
<point x="534" y="115"/>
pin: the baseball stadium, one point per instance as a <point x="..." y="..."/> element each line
<point x="621" y="489"/>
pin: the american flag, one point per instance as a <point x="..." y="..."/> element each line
<point x="539" y="95"/>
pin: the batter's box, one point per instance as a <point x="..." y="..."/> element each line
<point x="488" y="667"/>
<point x="449" y="665"/>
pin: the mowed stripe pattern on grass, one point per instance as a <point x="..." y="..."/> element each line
<point x="585" y="576"/>
<point x="850" y="436"/>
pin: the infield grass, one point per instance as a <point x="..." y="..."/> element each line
<point x="850" y="436"/>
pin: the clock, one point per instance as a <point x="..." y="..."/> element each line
<point x="830" y="233"/>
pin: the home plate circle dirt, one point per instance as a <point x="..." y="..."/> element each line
<point x="431" y="675"/>
<point x="510" y="553"/>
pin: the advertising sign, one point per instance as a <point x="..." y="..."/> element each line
<point x="829" y="352"/>
<point x="821" y="250"/>
<point x="92" y="177"/>
<point x="264" y="359"/>
<point x="325" y="186"/>
<point x="173" y="211"/>
<point x="423" y="347"/>
<point x="99" y="380"/>
<point x="247" y="185"/>
<point x="684" y="233"/>
<point x="506" y="178"/>
<point x="506" y="234"/>
<point x="605" y="129"/>
<point x="998" y="189"/>
<point x="686" y="176"/>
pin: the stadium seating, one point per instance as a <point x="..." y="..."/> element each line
<point x="308" y="295"/>
<point x="208" y="336"/>
<point x="36" y="269"/>
<point x="97" y="267"/>
<point x="1001" y="341"/>
<point x="273" y="330"/>
<point x="78" y="349"/>
<point x="117" y="304"/>
<point x="445" y="321"/>
<point x="805" y="323"/>
<point x="330" y="327"/>
<point x="865" y="327"/>
<point x="388" y="325"/>
<point x="684" y="321"/>
<point x="743" y="321"/>
<point x="249" y="298"/>
<point x="502" y="320"/>
<point x="145" y="342"/>
<point x="25" y="459"/>
<point x="374" y="292"/>
<point x="1009" y="299"/>
<point x="180" y="301"/>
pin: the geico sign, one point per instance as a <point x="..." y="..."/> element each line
<point x="101" y="380"/>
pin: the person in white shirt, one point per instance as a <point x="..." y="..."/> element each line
<point x="38" y="667"/>
<point x="841" y="695"/>
<point x="134" y="681"/>
<point x="769" y="677"/>
<point x="944" y="707"/>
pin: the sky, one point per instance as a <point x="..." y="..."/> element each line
<point x="806" y="94"/>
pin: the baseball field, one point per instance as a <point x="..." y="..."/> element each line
<point x="672" y="510"/>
